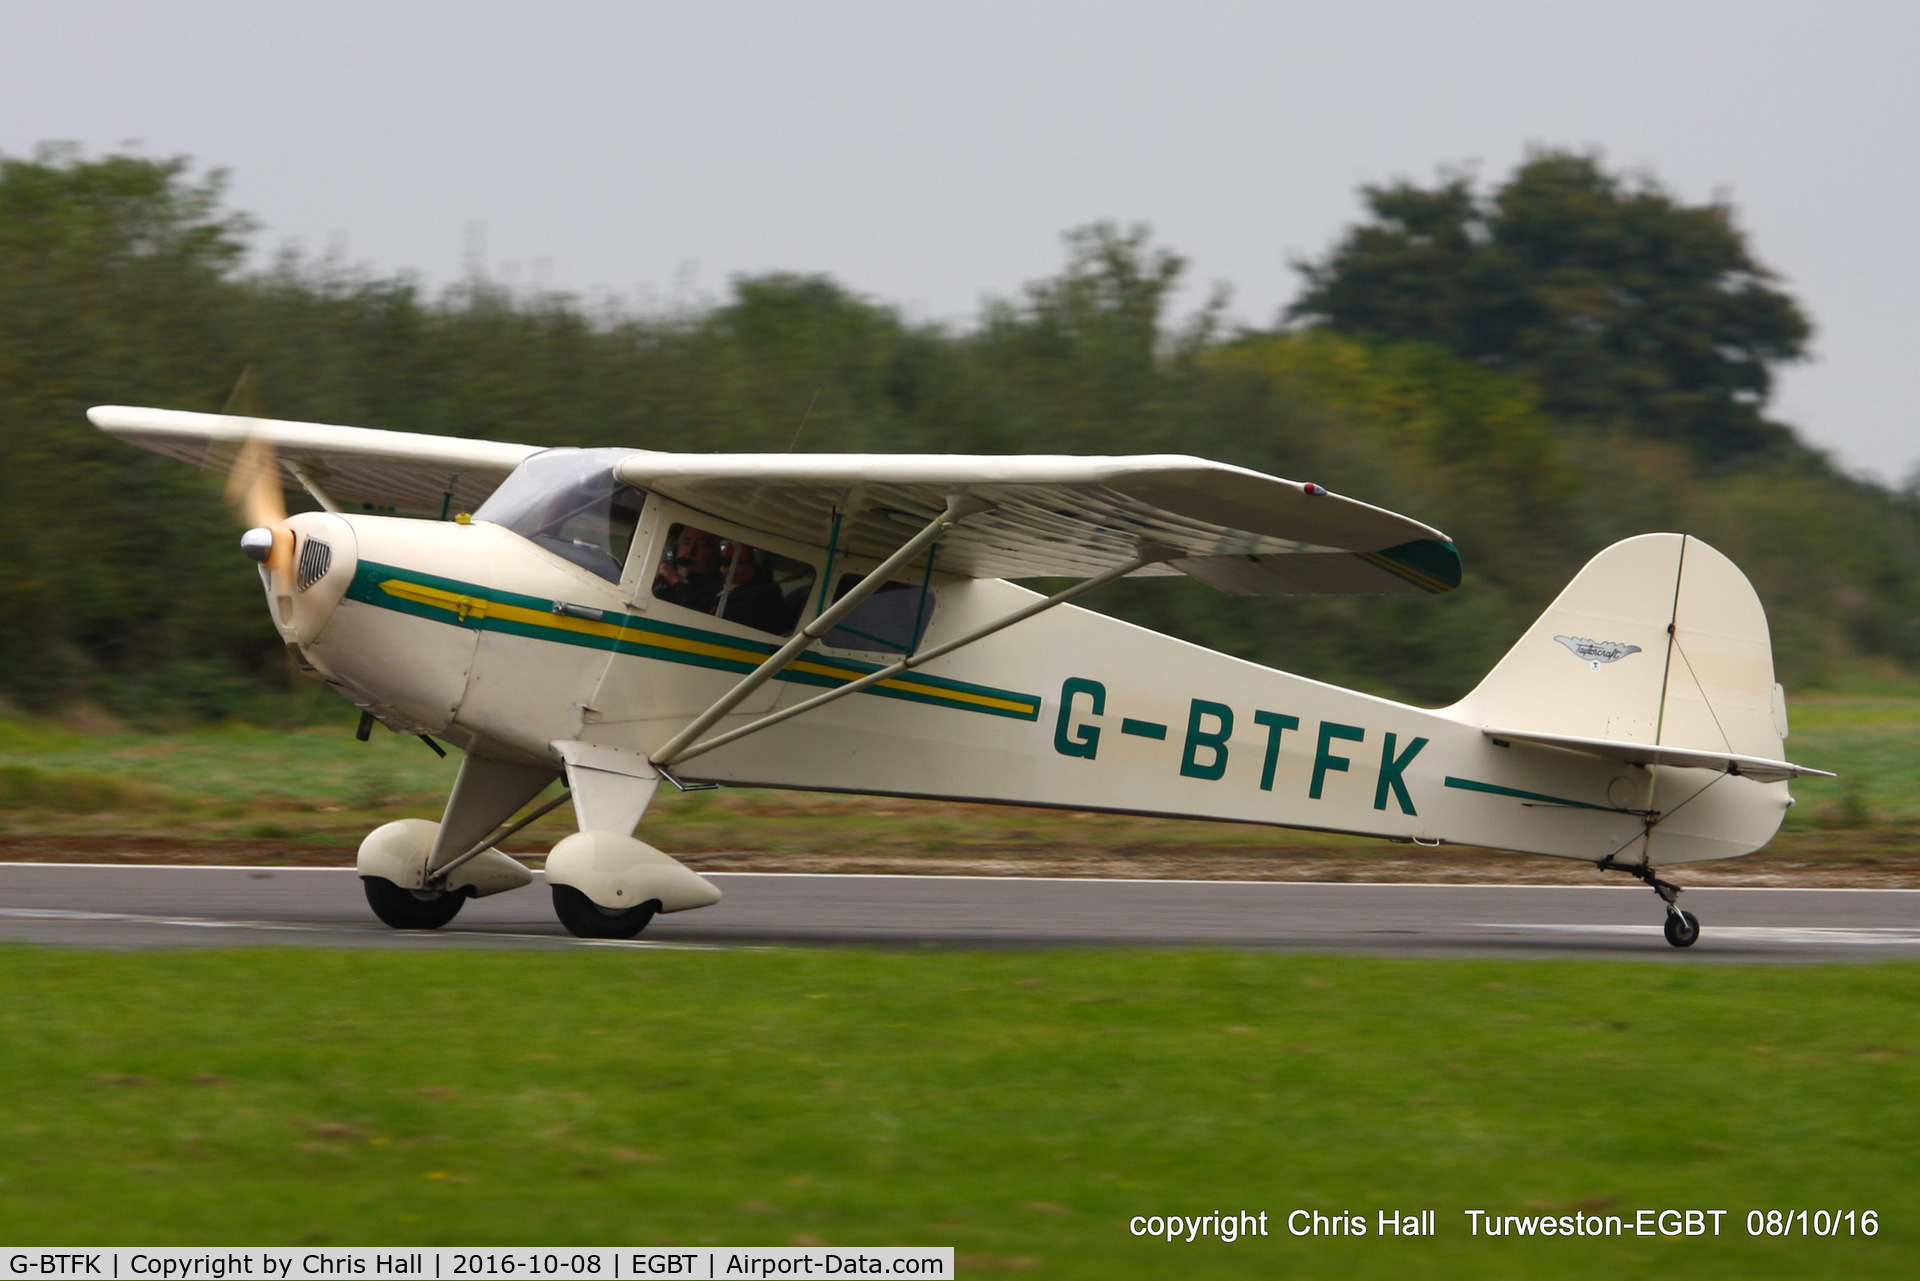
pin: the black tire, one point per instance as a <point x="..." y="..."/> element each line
<point x="1683" y="929"/>
<point x="586" y="919"/>
<point x="406" y="910"/>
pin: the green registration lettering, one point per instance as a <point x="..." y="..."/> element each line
<point x="1391" y="770"/>
<point x="1213" y="741"/>
<point x="1085" y="739"/>
<point x="1324" y="760"/>
<point x="1277" y="725"/>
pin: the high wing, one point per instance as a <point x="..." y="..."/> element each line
<point x="1053" y="516"/>
<point x="1758" y="768"/>
<point x="1056" y="516"/>
<point x="360" y="468"/>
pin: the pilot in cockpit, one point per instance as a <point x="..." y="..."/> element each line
<point x="691" y="576"/>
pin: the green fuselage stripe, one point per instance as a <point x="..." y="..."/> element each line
<point x="1467" y="784"/>
<point x="449" y="601"/>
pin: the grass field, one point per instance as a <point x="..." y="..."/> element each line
<point x="1021" y="1107"/>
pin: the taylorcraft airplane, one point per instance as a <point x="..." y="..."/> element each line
<point x="843" y="622"/>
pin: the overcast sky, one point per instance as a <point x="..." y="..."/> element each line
<point x="931" y="155"/>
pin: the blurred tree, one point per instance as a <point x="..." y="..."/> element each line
<point x="1624" y="306"/>
<point x="113" y="287"/>
<point x="121" y="282"/>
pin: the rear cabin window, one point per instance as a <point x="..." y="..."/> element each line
<point x="733" y="580"/>
<point x="891" y="621"/>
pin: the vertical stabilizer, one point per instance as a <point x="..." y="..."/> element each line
<point x="1659" y="639"/>
<point x="1594" y="664"/>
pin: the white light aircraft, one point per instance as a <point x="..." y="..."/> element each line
<point x="844" y="622"/>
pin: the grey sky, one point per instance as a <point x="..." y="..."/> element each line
<point x="930" y="155"/>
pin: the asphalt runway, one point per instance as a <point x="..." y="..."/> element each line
<point x="118" y="906"/>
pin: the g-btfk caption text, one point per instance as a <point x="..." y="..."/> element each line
<point x="480" y="1263"/>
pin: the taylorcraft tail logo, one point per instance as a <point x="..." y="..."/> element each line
<point x="1597" y="651"/>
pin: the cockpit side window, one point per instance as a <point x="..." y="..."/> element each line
<point x="725" y="577"/>
<point x="570" y="502"/>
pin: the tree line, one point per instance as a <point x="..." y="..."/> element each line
<point x="1571" y="358"/>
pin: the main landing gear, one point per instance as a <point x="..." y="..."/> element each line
<point x="586" y="919"/>
<point x="412" y="909"/>
<point x="1682" y="927"/>
<point x="605" y="883"/>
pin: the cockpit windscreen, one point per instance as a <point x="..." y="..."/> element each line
<point x="568" y="501"/>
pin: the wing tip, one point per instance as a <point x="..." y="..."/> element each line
<point x="1430" y="564"/>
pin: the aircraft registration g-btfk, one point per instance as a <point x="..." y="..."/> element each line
<point x="843" y="622"/>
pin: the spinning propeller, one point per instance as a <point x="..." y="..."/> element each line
<point x="255" y="490"/>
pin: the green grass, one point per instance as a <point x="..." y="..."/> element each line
<point x="1869" y="734"/>
<point x="317" y="790"/>
<point x="1019" y="1106"/>
<point x="245" y="764"/>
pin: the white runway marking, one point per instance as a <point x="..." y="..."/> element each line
<point x="134" y="906"/>
<point x="1801" y="934"/>
<point x="423" y="936"/>
<point x="126" y="918"/>
<point x="265" y="871"/>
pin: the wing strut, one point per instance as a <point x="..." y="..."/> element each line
<point x="312" y="486"/>
<point x="1147" y="556"/>
<point x="960" y="505"/>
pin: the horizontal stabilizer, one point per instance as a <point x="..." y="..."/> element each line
<point x="1757" y="768"/>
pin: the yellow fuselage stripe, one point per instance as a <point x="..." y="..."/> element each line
<point x="476" y="607"/>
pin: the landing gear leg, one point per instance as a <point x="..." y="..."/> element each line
<point x="1682" y="928"/>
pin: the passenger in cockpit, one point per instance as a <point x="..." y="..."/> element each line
<point x="750" y="597"/>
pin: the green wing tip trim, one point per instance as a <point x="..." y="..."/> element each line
<point x="1427" y="563"/>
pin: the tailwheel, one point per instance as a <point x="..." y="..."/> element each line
<point x="586" y="919"/>
<point x="411" y="909"/>
<point x="1683" y="928"/>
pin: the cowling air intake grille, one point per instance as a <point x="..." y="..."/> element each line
<point x="316" y="558"/>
